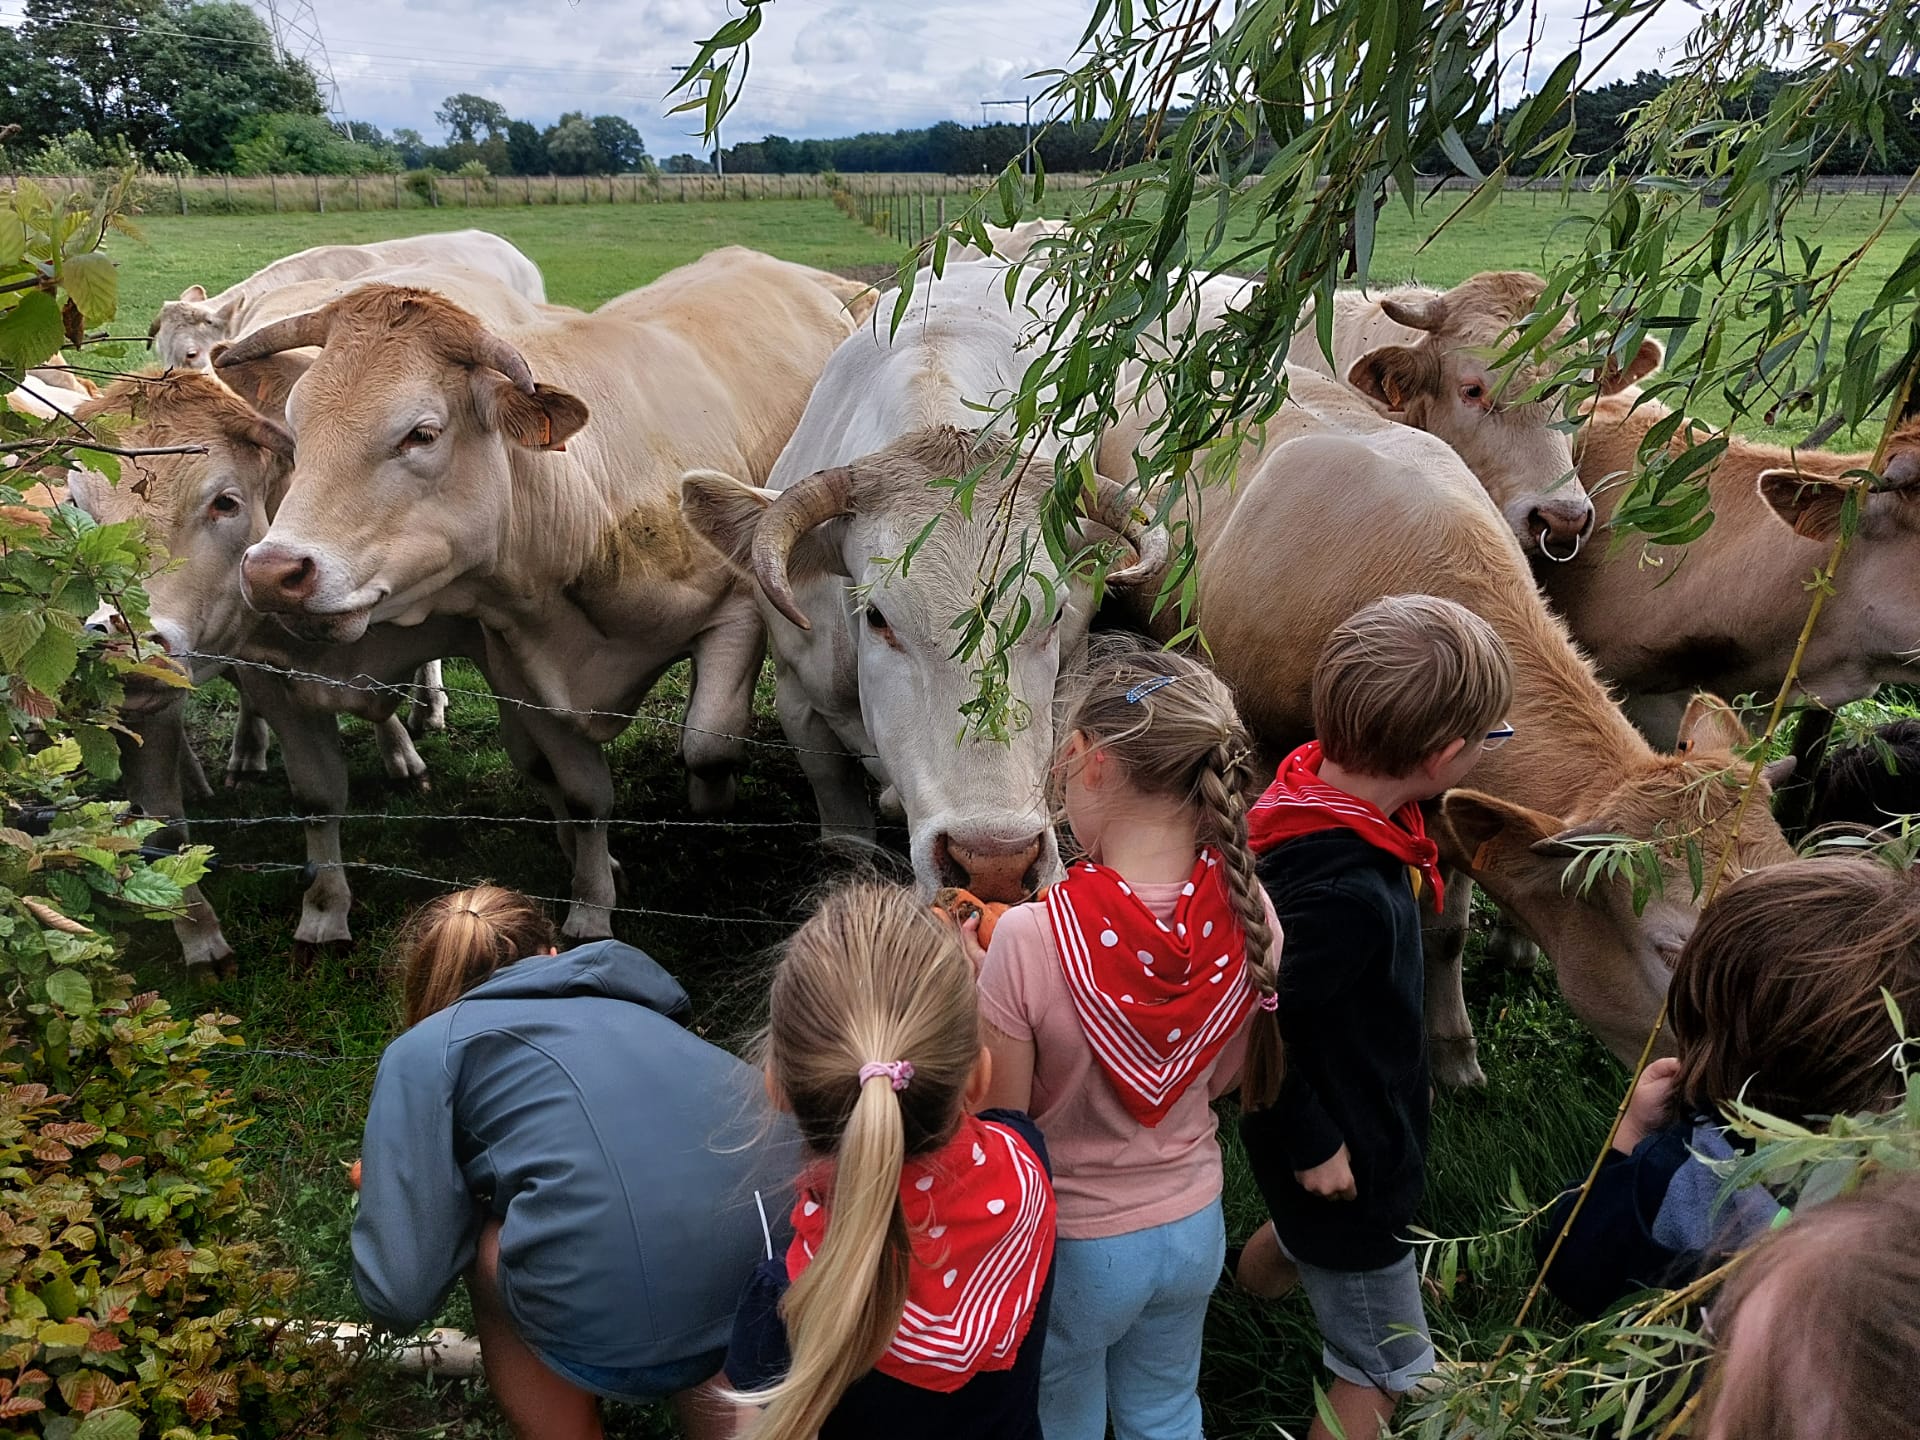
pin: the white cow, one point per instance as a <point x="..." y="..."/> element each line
<point x="863" y="649"/>
<point x="187" y="329"/>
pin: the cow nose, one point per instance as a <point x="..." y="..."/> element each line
<point x="273" y="576"/>
<point x="991" y="866"/>
<point x="1560" y="527"/>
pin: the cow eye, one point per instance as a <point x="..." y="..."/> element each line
<point x="877" y="623"/>
<point x="224" y="505"/>
<point x="420" y="436"/>
<point x="1473" y="392"/>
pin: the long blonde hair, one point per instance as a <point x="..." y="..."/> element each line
<point x="1182" y="737"/>
<point x="872" y="977"/>
<point x="456" y="941"/>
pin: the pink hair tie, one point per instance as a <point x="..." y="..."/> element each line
<point x="1270" y="1003"/>
<point x="899" y="1072"/>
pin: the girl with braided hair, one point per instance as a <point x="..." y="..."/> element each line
<point x="546" y="1128"/>
<point x="1117" y="1008"/>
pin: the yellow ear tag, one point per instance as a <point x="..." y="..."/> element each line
<point x="1413" y="875"/>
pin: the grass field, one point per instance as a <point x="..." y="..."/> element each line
<point x="315" y="1032"/>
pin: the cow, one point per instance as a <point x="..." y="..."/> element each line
<point x="1341" y="506"/>
<point x="201" y="511"/>
<point x="864" y="648"/>
<point x="186" y="330"/>
<point x="1010" y="243"/>
<point x="1725" y="612"/>
<point x="1425" y="357"/>
<point x="436" y="476"/>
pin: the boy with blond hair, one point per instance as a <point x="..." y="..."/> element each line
<point x="1407" y="695"/>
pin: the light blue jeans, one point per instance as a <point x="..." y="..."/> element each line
<point x="1128" y="1312"/>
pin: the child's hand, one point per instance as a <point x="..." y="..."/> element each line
<point x="1647" y="1111"/>
<point x="1330" y="1179"/>
<point x="970" y="941"/>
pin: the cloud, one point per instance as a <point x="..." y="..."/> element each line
<point x="820" y="67"/>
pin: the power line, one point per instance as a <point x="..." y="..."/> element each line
<point x="1026" y="155"/>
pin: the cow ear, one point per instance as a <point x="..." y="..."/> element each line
<point x="543" y="420"/>
<point x="265" y="383"/>
<point x="227" y="313"/>
<point x="1710" y="726"/>
<point x="194" y="294"/>
<point x="1501" y="842"/>
<point x="724" y="512"/>
<point x="1647" y="359"/>
<point x="1811" y="506"/>
<point x="1393" y="375"/>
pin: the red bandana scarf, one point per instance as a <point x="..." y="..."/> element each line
<point x="1157" y="999"/>
<point x="981" y="1216"/>
<point x="1299" y="803"/>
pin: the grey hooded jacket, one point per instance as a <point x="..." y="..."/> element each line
<point x="629" y="1162"/>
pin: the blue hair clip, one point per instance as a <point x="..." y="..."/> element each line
<point x="1147" y="687"/>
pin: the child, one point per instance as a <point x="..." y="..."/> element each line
<point x="1406" y="696"/>
<point x="1817" y="1330"/>
<point x="545" y="1127"/>
<point x="1776" y="1001"/>
<point x="913" y="1299"/>
<point x="1117" y="1009"/>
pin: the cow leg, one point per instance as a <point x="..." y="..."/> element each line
<point x="428" y="710"/>
<point x="397" y="755"/>
<point x="317" y="771"/>
<point x="726" y="663"/>
<point x="247" y="758"/>
<point x="1449" y="1029"/>
<point x="572" y="773"/>
<point x="1508" y="946"/>
<point x="154" y="770"/>
<point x="193" y="776"/>
<point x="839" y="780"/>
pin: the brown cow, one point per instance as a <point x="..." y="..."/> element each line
<point x="1725" y="612"/>
<point x="1344" y="507"/>
<point x="1425" y="357"/>
<point x="437" y="476"/>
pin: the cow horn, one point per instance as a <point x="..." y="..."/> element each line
<point x="296" y="332"/>
<point x="268" y="435"/>
<point x="1113" y="507"/>
<point x="812" y="502"/>
<point x="1429" y="314"/>
<point x="496" y="354"/>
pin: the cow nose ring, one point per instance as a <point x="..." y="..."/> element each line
<point x="1547" y="550"/>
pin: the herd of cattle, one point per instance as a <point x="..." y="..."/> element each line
<point x="409" y="455"/>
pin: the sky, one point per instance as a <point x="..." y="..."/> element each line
<point x="820" y="67"/>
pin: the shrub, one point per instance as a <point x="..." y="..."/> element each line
<point x="134" y="1298"/>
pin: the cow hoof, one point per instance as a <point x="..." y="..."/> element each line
<point x="712" y="794"/>
<point x="307" y="954"/>
<point x="238" y="778"/>
<point x="1508" y="949"/>
<point x="1455" y="1062"/>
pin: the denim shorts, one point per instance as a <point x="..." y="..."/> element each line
<point x="637" y="1384"/>
<point x="1373" y="1324"/>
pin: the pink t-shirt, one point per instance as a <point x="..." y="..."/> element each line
<point x="1111" y="1174"/>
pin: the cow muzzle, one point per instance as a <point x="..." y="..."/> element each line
<point x="278" y="578"/>
<point x="1559" y="527"/>
<point x="993" y="867"/>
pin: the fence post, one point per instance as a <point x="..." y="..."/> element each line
<point x="273" y="183"/>
<point x="940" y="213"/>
<point x="396" y="189"/>
<point x="356" y="191"/>
<point x="319" y="200"/>
<point x="466" y="193"/>
<point x="923" y="216"/>
<point x="226" y="185"/>
<point x="180" y="192"/>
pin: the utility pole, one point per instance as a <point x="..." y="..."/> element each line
<point x="719" y="162"/>
<point x="1026" y="155"/>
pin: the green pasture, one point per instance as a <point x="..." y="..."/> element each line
<point x="710" y="900"/>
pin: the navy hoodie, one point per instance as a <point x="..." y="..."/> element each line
<point x="628" y="1161"/>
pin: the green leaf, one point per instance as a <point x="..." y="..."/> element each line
<point x="1457" y="152"/>
<point x="72" y="992"/>
<point x="99" y="751"/>
<point x="147" y="887"/>
<point x="24" y="1304"/>
<point x="93" y="281"/>
<point x="109" y="1425"/>
<point x="60" y="1298"/>
<point x="18" y="630"/>
<point x="13" y="238"/>
<point x="31" y="331"/>
<point x="51" y="660"/>
<point x="71" y="1336"/>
